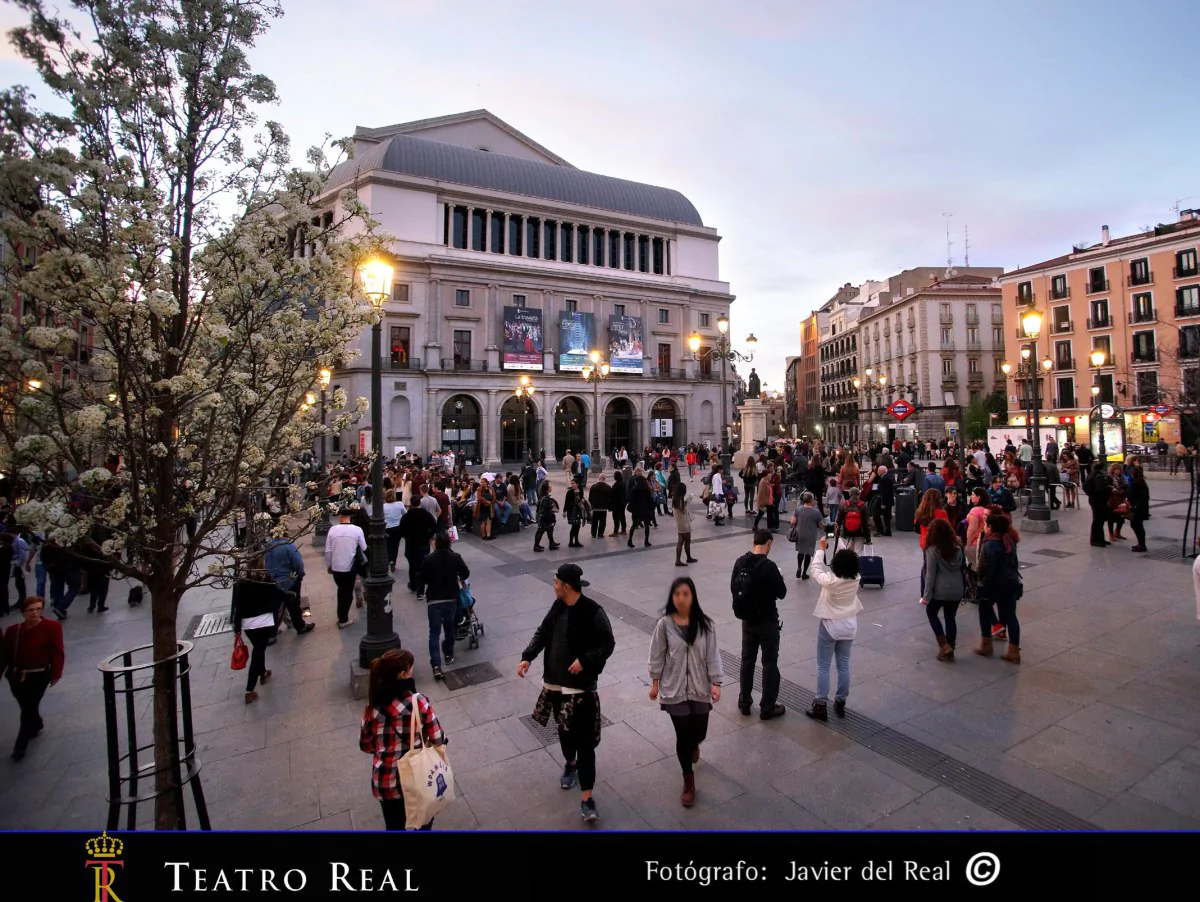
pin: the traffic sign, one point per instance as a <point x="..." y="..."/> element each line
<point x="1161" y="409"/>
<point x="901" y="409"/>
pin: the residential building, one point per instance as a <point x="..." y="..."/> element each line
<point x="777" y="412"/>
<point x="791" y="391"/>
<point x="937" y="339"/>
<point x="1137" y="300"/>
<point x="509" y="261"/>
<point x="837" y="354"/>
<point x="809" y="388"/>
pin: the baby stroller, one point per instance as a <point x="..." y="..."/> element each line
<point x="467" y="627"/>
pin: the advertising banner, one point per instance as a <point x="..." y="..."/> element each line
<point x="522" y="339"/>
<point x="576" y="340"/>
<point x="625" y="344"/>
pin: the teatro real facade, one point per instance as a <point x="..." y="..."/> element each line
<point x="511" y="262"/>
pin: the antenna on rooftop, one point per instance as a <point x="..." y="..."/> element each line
<point x="949" y="247"/>
<point x="966" y="247"/>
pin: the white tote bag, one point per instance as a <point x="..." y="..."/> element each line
<point x="425" y="776"/>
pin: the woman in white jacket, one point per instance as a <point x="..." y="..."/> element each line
<point x="837" y="609"/>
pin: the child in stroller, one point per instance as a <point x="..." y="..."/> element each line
<point x="467" y="626"/>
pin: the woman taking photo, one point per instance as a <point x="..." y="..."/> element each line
<point x="837" y="611"/>
<point x="384" y="731"/>
<point x="685" y="675"/>
<point x="943" y="585"/>
<point x="681" y="500"/>
<point x="1000" y="587"/>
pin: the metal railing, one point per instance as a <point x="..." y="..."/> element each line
<point x="1149" y="355"/>
<point x="1132" y="281"/>
<point x="1187" y="272"/>
<point x="1056" y="295"/>
<point x="465" y="366"/>
<point x="1062" y="328"/>
<point x="1099" y="322"/>
<point x="972" y="319"/>
<point x="1181" y="310"/>
<point x="1064" y="364"/>
<point x="1143" y="316"/>
<point x="1097" y="287"/>
<point x="406" y="363"/>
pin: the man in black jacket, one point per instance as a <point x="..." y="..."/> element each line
<point x="616" y="503"/>
<point x="417" y="527"/>
<point x="599" y="497"/>
<point x="441" y="572"/>
<point x="883" y="498"/>
<point x="577" y="639"/>
<point x="757" y="586"/>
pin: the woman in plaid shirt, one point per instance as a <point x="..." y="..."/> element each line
<point x="385" y="726"/>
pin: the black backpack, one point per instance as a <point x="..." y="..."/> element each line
<point x="741" y="587"/>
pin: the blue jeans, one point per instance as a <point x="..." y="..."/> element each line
<point x="827" y="649"/>
<point x="63" y="589"/>
<point x="39" y="571"/>
<point x="441" y="620"/>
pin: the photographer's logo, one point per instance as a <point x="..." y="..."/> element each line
<point x="103" y="858"/>
<point x="983" y="869"/>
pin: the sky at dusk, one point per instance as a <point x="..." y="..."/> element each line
<point x="823" y="139"/>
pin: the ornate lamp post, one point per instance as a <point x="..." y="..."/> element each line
<point x="324" y="376"/>
<point x="380" y="637"/>
<point x="1038" y="511"/>
<point x="1099" y="358"/>
<point x="595" y="372"/>
<point x="524" y="392"/>
<point x="724" y="353"/>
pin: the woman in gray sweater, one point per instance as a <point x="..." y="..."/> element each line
<point x="685" y="675"/>
<point x="943" y="584"/>
<point x="807" y="526"/>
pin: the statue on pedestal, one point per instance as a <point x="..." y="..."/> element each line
<point x="753" y="385"/>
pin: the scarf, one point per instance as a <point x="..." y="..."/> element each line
<point x="1006" y="540"/>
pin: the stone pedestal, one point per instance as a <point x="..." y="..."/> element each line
<point x="1045" y="527"/>
<point x="753" y="430"/>
<point x="360" y="680"/>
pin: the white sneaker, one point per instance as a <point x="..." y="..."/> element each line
<point x="342" y="626"/>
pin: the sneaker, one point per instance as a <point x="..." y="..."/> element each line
<point x="449" y="659"/>
<point x="60" y="614"/>
<point x="587" y="810"/>
<point x="570" y="776"/>
<point x="437" y="673"/>
<point x="999" y="632"/>
<point x="342" y="624"/>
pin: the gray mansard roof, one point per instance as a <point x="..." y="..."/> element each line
<point x="457" y="165"/>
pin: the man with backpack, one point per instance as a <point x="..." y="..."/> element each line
<point x="852" y="525"/>
<point x="756" y="586"/>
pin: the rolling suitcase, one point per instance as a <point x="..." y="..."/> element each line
<point x="870" y="568"/>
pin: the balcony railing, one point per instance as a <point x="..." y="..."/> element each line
<point x="946" y="318"/>
<point x="1133" y="281"/>
<point x="897" y="328"/>
<point x="1147" y="399"/>
<point x="997" y="318"/>
<point x="972" y="319"/>
<point x="1182" y="310"/>
<point x="974" y="345"/>
<point x="1146" y="355"/>
<point x="1060" y="294"/>
<point x="1189" y="351"/>
<point x="1066" y="402"/>
<point x="1097" y="287"/>
<point x="1185" y="272"/>
<point x="465" y="366"/>
<point x="1026" y="298"/>
<point x="975" y="378"/>
<point x="405" y="363"/>
<point x="668" y="373"/>
<point x="1099" y="322"/>
<point x="1063" y="327"/>
<point x="948" y="378"/>
<point x="1143" y="316"/>
<point x="1064" y="364"/>
<point x="947" y="345"/>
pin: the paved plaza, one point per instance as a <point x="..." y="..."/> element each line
<point x="1099" y="728"/>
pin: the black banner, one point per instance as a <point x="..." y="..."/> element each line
<point x="140" y="867"/>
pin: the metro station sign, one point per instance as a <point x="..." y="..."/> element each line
<point x="901" y="409"/>
<point x="1162" y="410"/>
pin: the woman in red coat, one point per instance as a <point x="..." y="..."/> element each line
<point x="32" y="657"/>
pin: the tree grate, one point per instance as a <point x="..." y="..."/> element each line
<point x="1054" y="552"/>
<point x="474" y="675"/>
<point x="210" y="624"/>
<point x="548" y="735"/>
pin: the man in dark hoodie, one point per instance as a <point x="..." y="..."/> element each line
<point x="757" y="585"/>
<point x="617" y="501"/>
<point x="578" y="640"/>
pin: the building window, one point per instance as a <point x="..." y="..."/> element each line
<point x="1097" y="280"/>
<point x="643" y="246"/>
<point x="618" y="309"/>
<point x="1189" y="342"/>
<point x="459" y="227"/>
<point x="1143" y="347"/>
<point x="973" y="365"/>
<point x="630" y="250"/>
<point x="1103" y="343"/>
<point x="1186" y="264"/>
<point x="585" y="243"/>
<point x="704" y="319"/>
<point x="947" y="315"/>
<point x="997" y="366"/>
<point x="947" y="366"/>
<point x="1024" y="293"/>
<point x="997" y="338"/>
<point x="462" y="297"/>
<point x="1187" y="301"/>
<point x="705" y="361"/>
<point x="571" y="306"/>
<point x="1099" y="318"/>
<point x="1143" y="308"/>
<point x="1191" y="385"/>
<point x="664" y="315"/>
<point x="496" y="233"/>
<point x="462" y="349"/>
<point x="518" y="300"/>
<point x="972" y="315"/>
<point x="568" y="242"/>
<point x="657" y="264"/>
<point x="614" y="250"/>
<point x="478" y="227"/>
<point x="1139" y="272"/>
<point x="1147" y="387"/>
<point x="1058" y="288"/>
<point x="516" y="229"/>
<point x="947" y="338"/>
<point x="533" y="237"/>
<point x="598" y="244"/>
<point x="972" y="336"/>
<point x="550" y="243"/>
<point x="400" y="345"/>
<point x="1062" y="356"/>
<point x="664" y="359"/>
<point x="1066" y="393"/>
<point x="400" y="293"/>
<point x="1061" y="319"/>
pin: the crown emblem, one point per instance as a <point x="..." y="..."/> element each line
<point x="104" y="846"/>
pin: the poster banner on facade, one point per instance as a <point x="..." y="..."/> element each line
<point x="576" y="340"/>
<point x="625" y="344"/>
<point x="522" y="339"/>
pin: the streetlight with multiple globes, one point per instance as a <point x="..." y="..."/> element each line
<point x="595" y="372"/>
<point x="1098" y="359"/>
<point x="1038" y="511"/>
<point x="724" y="353"/>
<point x="376" y="279"/>
<point x="524" y="392"/>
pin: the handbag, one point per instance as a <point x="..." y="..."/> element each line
<point x="453" y="533"/>
<point x="425" y="777"/>
<point x="360" y="563"/>
<point x="241" y="655"/>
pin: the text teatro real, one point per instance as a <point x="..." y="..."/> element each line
<point x="187" y="879"/>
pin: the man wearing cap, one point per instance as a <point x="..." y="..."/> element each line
<point x="578" y="640"/>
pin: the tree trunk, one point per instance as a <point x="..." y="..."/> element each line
<point x="164" y="608"/>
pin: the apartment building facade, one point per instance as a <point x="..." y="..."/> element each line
<point x="1134" y="299"/>
<point x="791" y="391"/>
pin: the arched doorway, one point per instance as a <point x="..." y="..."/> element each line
<point x="460" y="427"/>
<point x="665" y="426"/>
<point x="570" y="427"/>
<point x="518" y="426"/>
<point x="619" y="428"/>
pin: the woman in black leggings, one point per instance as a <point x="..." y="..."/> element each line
<point x="685" y="675"/>
<point x="257" y="602"/>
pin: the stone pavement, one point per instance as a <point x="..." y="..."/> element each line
<point x="1098" y="729"/>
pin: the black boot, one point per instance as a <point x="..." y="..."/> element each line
<point x="817" y="711"/>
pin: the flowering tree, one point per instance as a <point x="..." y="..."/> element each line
<point x="172" y="295"/>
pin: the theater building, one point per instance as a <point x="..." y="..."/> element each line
<point x="511" y="262"/>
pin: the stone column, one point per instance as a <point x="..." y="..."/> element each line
<point x="433" y="318"/>
<point x="506" y="247"/>
<point x="548" y="402"/>
<point x="490" y="421"/>
<point x="433" y="424"/>
<point x="492" y="314"/>
<point x="487" y="231"/>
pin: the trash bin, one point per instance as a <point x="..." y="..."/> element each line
<point x="906" y="508"/>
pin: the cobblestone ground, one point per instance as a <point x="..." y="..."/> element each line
<point x="1098" y="728"/>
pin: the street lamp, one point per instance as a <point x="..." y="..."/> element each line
<point x="595" y="372"/>
<point x="724" y="353"/>
<point x="1099" y="359"/>
<point x="376" y="276"/>
<point x="324" y="376"/>
<point x="1038" y="511"/>
<point x="524" y="392"/>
